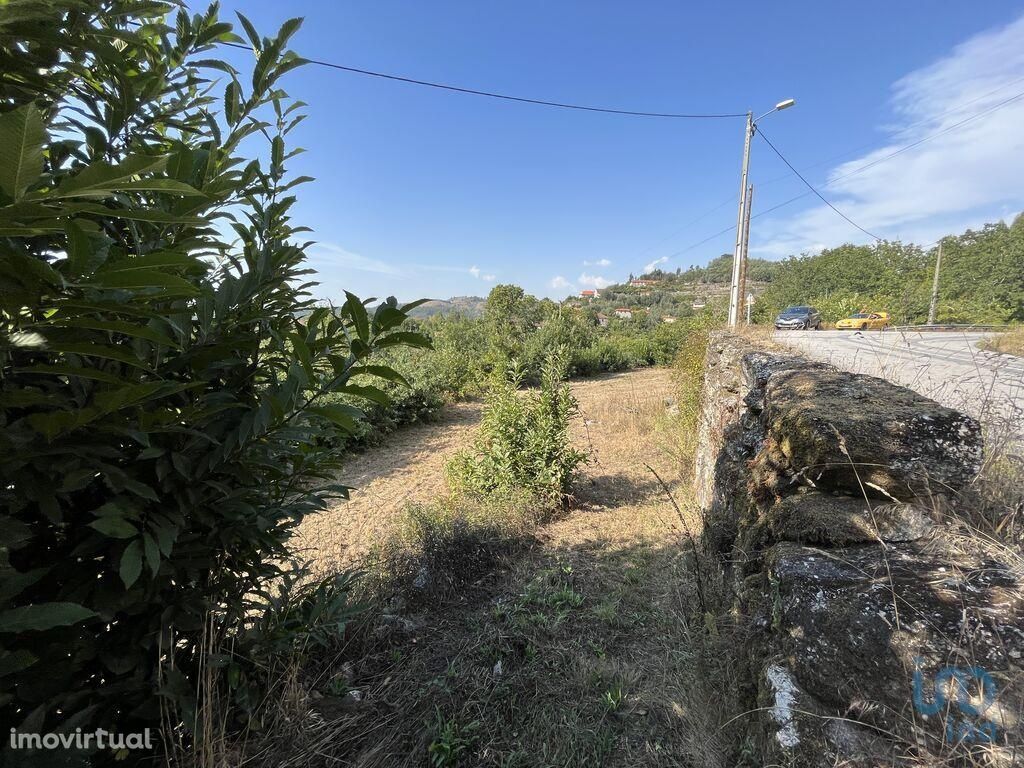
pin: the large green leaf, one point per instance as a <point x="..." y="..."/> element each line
<point x="343" y="416"/>
<point x="119" y="326"/>
<point x="101" y="176"/>
<point x="21" y="149"/>
<point x="383" y="372"/>
<point x="43" y="616"/>
<point x="172" y="186"/>
<point x="131" y="563"/>
<point x="141" y="278"/>
<point x="355" y="310"/>
<point x="114" y="527"/>
<point x="406" y="339"/>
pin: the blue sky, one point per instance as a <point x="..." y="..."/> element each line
<point x="421" y="192"/>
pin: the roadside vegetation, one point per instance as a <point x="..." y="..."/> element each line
<point x="514" y="328"/>
<point x="166" y="419"/>
<point x="981" y="282"/>
<point x="1008" y="343"/>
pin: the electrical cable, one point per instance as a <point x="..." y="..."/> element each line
<point x="864" y="167"/>
<point x="811" y="187"/>
<point x="506" y="97"/>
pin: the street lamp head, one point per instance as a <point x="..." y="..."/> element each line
<point x="784" y="104"/>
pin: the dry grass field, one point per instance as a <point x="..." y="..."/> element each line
<point x="576" y="651"/>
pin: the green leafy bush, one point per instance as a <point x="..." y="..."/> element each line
<point x="454" y="367"/>
<point x="523" y="446"/>
<point x="162" y="407"/>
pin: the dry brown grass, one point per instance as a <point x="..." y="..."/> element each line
<point x="408" y="469"/>
<point x="580" y="648"/>
<point x="1008" y="343"/>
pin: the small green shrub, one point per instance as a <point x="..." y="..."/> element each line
<point x="451" y="741"/>
<point x="523" y="445"/>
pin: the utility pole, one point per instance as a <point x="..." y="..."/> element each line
<point x="735" y="297"/>
<point x="935" y="287"/>
<point x="744" y="258"/>
<point x="743" y="214"/>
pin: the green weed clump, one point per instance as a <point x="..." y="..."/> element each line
<point x="688" y="372"/>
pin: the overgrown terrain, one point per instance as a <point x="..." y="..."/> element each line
<point x="281" y="531"/>
<point x="582" y="643"/>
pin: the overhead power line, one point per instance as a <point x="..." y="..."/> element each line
<point x="859" y="169"/>
<point x="810" y="186"/>
<point x="931" y="118"/>
<point x="506" y="97"/>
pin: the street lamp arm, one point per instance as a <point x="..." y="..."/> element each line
<point x="777" y="108"/>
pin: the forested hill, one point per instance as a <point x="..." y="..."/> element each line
<point x="719" y="270"/>
<point x="981" y="281"/>
<point x="467" y="306"/>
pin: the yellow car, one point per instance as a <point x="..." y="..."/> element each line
<point x="863" y="321"/>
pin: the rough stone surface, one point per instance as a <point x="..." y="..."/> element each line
<point x="812" y="517"/>
<point x="849" y="585"/>
<point x="856" y="433"/>
<point x="855" y="624"/>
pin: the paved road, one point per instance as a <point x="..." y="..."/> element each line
<point x="946" y="366"/>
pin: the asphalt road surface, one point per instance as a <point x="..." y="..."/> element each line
<point x="946" y="366"/>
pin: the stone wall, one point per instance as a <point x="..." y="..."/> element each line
<point x="830" y="502"/>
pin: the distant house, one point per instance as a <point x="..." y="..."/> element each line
<point x="589" y="295"/>
<point x="624" y="312"/>
<point x="641" y="283"/>
<point x="602" y="320"/>
<point x="668" y="318"/>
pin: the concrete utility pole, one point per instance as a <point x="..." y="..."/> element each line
<point x="933" y="308"/>
<point x="737" y="258"/>
<point x="744" y="259"/>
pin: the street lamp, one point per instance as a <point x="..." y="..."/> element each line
<point x="740" y="254"/>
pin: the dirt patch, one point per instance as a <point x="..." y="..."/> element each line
<point x="409" y="468"/>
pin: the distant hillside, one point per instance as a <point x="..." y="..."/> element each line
<point x="468" y="306"/>
<point x="680" y="293"/>
<point x="719" y="270"/>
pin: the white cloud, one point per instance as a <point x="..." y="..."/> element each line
<point x="328" y="257"/>
<point x="593" y="281"/>
<point x="475" y="272"/>
<point x="961" y="178"/>
<point x="559" y="283"/>
<point x="598" y="263"/>
<point x="655" y="263"/>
